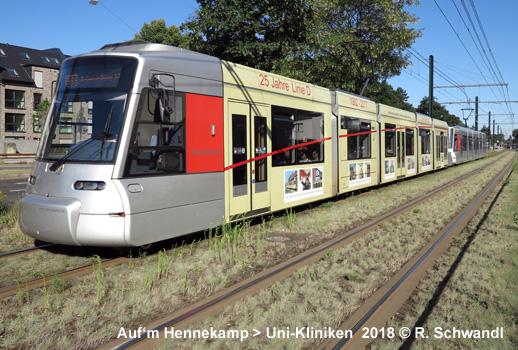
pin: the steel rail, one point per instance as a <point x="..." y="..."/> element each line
<point x="39" y="282"/>
<point x="26" y="250"/>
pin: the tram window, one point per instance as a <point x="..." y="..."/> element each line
<point x="390" y="140"/>
<point x="157" y="148"/>
<point x="359" y="140"/>
<point x="239" y="147"/>
<point x="292" y="127"/>
<point x="409" y="142"/>
<point x="425" y="141"/>
<point x="261" y="171"/>
<point x="437" y="147"/>
<point x="464" y="143"/>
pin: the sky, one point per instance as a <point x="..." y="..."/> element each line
<point x="461" y="57"/>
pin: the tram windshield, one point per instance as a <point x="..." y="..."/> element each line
<point x="88" y="114"/>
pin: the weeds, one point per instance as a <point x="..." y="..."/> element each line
<point x="163" y="264"/>
<point x="351" y="276"/>
<point x="100" y="278"/>
<point x="290" y="218"/>
<point x="184" y="288"/>
<point x="46" y="296"/>
<point x="328" y="254"/>
<point x="60" y="284"/>
<point x="8" y="213"/>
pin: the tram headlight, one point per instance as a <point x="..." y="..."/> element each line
<point x="32" y="180"/>
<point x="90" y="185"/>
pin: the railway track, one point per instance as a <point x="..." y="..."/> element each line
<point x="26" y="250"/>
<point x="76" y="272"/>
<point x="8" y="290"/>
<point x="383" y="304"/>
<point x="215" y="304"/>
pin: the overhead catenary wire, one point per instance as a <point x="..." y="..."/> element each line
<point x="489" y="61"/>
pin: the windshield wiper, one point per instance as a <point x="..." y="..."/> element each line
<point x="63" y="159"/>
<point x="80" y="146"/>
<point x="106" y="132"/>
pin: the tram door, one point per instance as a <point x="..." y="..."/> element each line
<point x="400" y="153"/>
<point x="249" y="145"/>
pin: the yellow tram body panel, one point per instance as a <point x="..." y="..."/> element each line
<point x="398" y="148"/>
<point x="357" y="141"/>
<point x="271" y="123"/>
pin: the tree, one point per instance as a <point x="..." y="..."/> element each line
<point x="255" y="33"/>
<point x="350" y="41"/>
<point x="331" y="43"/>
<point x="515" y="135"/>
<point x="157" y="32"/>
<point x="38" y="118"/>
<point x="486" y="131"/>
<point x="439" y="112"/>
<point x="386" y="94"/>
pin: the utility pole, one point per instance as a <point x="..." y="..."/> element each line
<point x="476" y="113"/>
<point x="489" y="127"/>
<point x="430" y="93"/>
<point x="494" y="127"/>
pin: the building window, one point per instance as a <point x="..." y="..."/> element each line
<point x="38" y="79"/>
<point x="55" y="60"/>
<point x="65" y="125"/>
<point x="25" y="55"/>
<point x="45" y="59"/>
<point x="37" y="124"/>
<point x="2" y="52"/>
<point x="14" y="122"/>
<point x="292" y="127"/>
<point x="68" y="107"/>
<point x="14" y="99"/>
<point x="37" y="100"/>
<point x="12" y="72"/>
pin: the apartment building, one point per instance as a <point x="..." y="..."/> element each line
<point x="27" y="78"/>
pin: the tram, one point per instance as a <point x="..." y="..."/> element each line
<point x="146" y="142"/>
<point x="466" y="144"/>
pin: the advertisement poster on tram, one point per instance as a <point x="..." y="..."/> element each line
<point x="410" y="165"/>
<point x="359" y="173"/>
<point x="390" y="169"/>
<point x="427" y="164"/>
<point x="303" y="183"/>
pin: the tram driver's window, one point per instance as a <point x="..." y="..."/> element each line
<point x="157" y="148"/>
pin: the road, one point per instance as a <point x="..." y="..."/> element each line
<point x="13" y="189"/>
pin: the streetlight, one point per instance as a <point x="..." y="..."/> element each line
<point x="93" y="2"/>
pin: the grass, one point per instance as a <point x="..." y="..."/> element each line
<point x="479" y="291"/>
<point x="150" y="286"/>
<point x="346" y="278"/>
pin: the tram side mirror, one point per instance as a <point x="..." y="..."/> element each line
<point x="161" y="84"/>
<point x="163" y="107"/>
